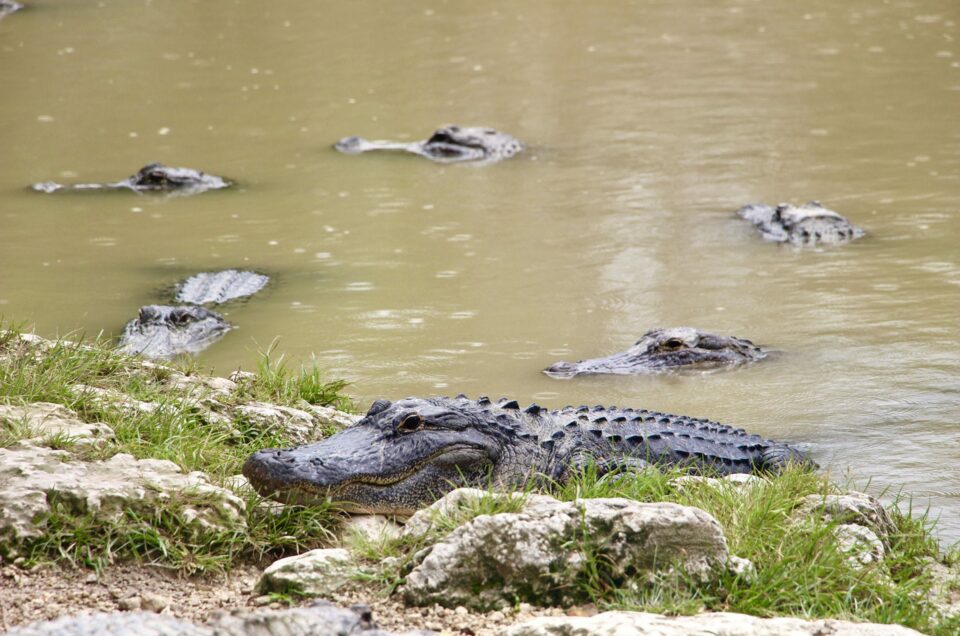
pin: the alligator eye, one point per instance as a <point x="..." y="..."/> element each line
<point x="410" y="424"/>
<point x="673" y="343"/>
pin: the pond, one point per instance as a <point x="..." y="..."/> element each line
<point x="647" y="125"/>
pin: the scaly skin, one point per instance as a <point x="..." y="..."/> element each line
<point x="810" y="224"/>
<point x="449" y="144"/>
<point x="404" y="455"/>
<point x="662" y="350"/>
<point x="219" y="287"/>
<point x="151" y="178"/>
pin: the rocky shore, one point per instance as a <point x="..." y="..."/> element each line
<point x="120" y="496"/>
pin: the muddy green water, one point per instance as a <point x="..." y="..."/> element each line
<point x="648" y="123"/>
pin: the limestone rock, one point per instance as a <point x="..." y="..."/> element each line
<point x="320" y="619"/>
<point x="314" y="573"/>
<point x="329" y="416"/>
<point x="849" y="508"/>
<point x="53" y="420"/>
<point x="453" y="504"/>
<point x="35" y="480"/>
<point x="714" y="624"/>
<point x="375" y="528"/>
<point x="538" y="554"/>
<point x="737" y="480"/>
<point x="125" y="624"/>
<point x="860" y="543"/>
<point x="297" y="425"/>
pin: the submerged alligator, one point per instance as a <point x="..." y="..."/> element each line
<point x="8" y="6"/>
<point x="164" y="331"/>
<point x="449" y="144"/>
<point x="219" y="287"/>
<point x="151" y="178"/>
<point x="406" y="454"/>
<point x="661" y="350"/>
<point x="809" y="224"/>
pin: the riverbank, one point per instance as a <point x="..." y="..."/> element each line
<point x="181" y="534"/>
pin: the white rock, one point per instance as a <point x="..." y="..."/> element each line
<point x="851" y="507"/>
<point x="297" y="425"/>
<point x="374" y="528"/>
<point x="314" y="573"/>
<point x="712" y="624"/>
<point x="33" y="479"/>
<point x="537" y="554"/>
<point x="47" y="420"/>
<point x="860" y="543"/>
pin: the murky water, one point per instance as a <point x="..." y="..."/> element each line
<point x="648" y="123"/>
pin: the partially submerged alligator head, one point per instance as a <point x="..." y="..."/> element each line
<point x="404" y="455"/>
<point x="449" y="144"/>
<point x="162" y="331"/>
<point x="662" y="350"/>
<point x="9" y="6"/>
<point x="809" y="224"/>
<point x="153" y="177"/>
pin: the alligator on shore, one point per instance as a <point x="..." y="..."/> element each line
<point x="810" y="224"/>
<point x="449" y="144"/>
<point x="661" y="350"/>
<point x="404" y="455"/>
<point x="152" y="178"/>
<point x="163" y="331"/>
<point x="9" y="6"/>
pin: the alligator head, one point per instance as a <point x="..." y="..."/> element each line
<point x="663" y="350"/>
<point x="156" y="177"/>
<point x="449" y="144"/>
<point x="162" y="331"/>
<point x="400" y="457"/>
<point x="808" y="224"/>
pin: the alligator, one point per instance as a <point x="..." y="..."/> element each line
<point x="162" y="331"/>
<point x="9" y="6"/>
<point x="661" y="350"/>
<point x="152" y="178"/>
<point x="404" y="455"/>
<point x="449" y="144"/>
<point x="219" y="287"/>
<point x="807" y="225"/>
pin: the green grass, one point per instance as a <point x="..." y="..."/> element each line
<point x="181" y="430"/>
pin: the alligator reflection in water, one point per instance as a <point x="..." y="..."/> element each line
<point x="661" y="350"/>
<point x="809" y="224"/>
<point x="449" y="144"/>
<point x="151" y="178"/>
<point x="405" y="455"/>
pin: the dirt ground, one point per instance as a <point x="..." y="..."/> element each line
<point x="48" y="591"/>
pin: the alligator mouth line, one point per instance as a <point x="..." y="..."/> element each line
<point x="383" y="480"/>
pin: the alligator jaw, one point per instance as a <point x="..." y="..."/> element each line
<point x="396" y="493"/>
